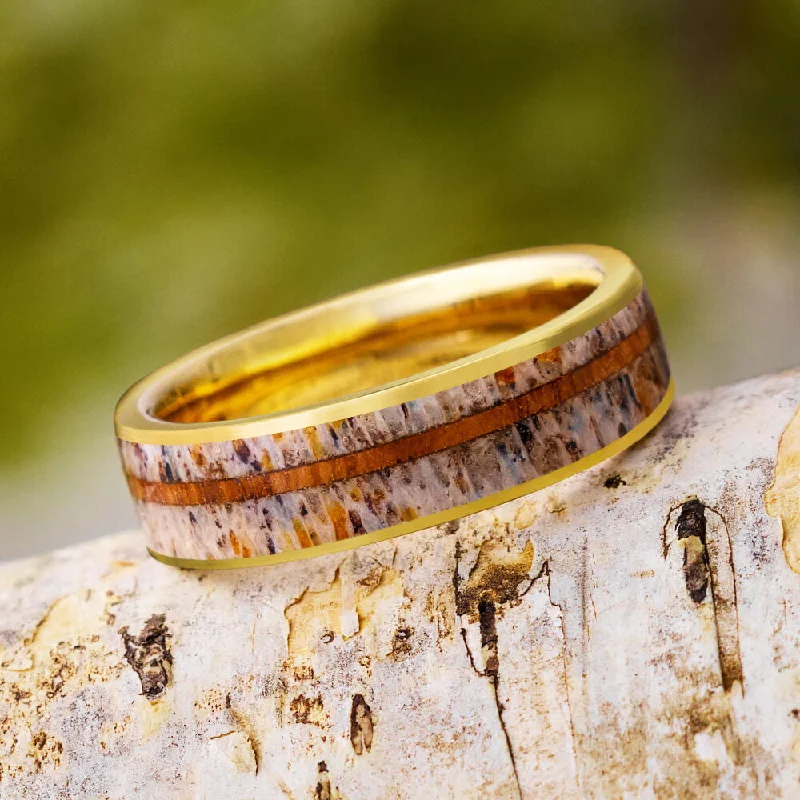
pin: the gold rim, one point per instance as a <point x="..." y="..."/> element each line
<point x="614" y="448"/>
<point x="619" y="283"/>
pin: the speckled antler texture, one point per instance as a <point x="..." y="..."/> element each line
<point x="633" y="631"/>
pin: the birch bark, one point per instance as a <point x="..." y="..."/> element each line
<point x="631" y="632"/>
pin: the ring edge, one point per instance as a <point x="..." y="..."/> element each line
<point x="637" y="433"/>
<point x="627" y="283"/>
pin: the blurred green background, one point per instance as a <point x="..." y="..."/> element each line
<point x="170" y="172"/>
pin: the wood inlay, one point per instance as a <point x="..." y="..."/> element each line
<point x="322" y="473"/>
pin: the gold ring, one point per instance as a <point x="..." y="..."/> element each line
<point x="394" y="408"/>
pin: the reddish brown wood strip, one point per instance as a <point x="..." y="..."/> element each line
<point x="322" y="473"/>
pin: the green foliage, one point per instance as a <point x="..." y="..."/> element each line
<point x="171" y="172"/>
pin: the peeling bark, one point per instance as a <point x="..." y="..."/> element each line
<point x="783" y="499"/>
<point x="631" y="632"/>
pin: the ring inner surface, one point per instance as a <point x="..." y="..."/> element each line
<point x="374" y="355"/>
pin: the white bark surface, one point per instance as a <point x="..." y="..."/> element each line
<point x="632" y="632"/>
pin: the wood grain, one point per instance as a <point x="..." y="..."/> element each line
<point x="631" y="632"/>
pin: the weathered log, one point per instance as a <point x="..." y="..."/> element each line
<point x="631" y="632"/>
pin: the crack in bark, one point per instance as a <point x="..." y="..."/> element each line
<point x="487" y="617"/>
<point x="665" y="527"/>
<point x="545" y="572"/>
<point x="31" y="638"/>
<point x="247" y="728"/>
<point x="488" y="630"/>
<point x="705" y="556"/>
<point x="221" y="735"/>
<point x="495" y="681"/>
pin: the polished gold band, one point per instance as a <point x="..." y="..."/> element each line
<point x="394" y="408"/>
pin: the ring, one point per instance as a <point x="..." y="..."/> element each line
<point x="394" y="408"/>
